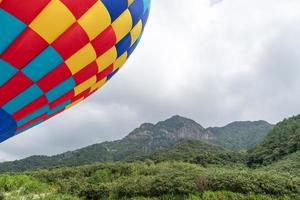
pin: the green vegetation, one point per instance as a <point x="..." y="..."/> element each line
<point x="241" y="135"/>
<point x="282" y="141"/>
<point x="290" y="164"/>
<point x="172" y="160"/>
<point x="149" y="138"/>
<point x="199" y="152"/>
<point x="14" y="187"/>
<point x="149" y="180"/>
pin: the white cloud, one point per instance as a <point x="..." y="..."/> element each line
<point x="234" y="61"/>
<point x="215" y="2"/>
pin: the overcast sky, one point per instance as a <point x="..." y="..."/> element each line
<point x="236" y="60"/>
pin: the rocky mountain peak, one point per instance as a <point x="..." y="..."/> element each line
<point x="179" y="122"/>
<point x="147" y="126"/>
<point x="173" y="129"/>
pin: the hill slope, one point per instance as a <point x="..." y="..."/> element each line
<point x="199" y="152"/>
<point x="290" y="164"/>
<point x="283" y="140"/>
<point x="240" y="135"/>
<point x="146" y="140"/>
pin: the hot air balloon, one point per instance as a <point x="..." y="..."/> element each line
<point x="56" y="53"/>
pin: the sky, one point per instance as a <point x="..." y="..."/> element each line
<point x="212" y="61"/>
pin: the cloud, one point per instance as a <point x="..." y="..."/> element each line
<point x="234" y="61"/>
<point x="215" y="2"/>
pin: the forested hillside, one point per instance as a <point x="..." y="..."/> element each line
<point x="241" y="135"/>
<point x="290" y="164"/>
<point x="151" y="138"/>
<point x="282" y="141"/>
<point x="172" y="160"/>
<point x="198" y="152"/>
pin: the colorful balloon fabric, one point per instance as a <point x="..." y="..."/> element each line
<point x="55" y="53"/>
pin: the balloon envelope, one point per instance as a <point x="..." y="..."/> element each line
<point x="55" y="53"/>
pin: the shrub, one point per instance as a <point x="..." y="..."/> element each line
<point x="95" y="192"/>
<point x="247" y="181"/>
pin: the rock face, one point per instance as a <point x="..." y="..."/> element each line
<point x="173" y="129"/>
<point x="235" y="136"/>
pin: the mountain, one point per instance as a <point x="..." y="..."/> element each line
<point x="282" y="141"/>
<point x="142" y="141"/>
<point x="149" y="137"/>
<point x="240" y="135"/>
<point x="199" y="152"/>
<point x="146" y="140"/>
<point x="173" y="159"/>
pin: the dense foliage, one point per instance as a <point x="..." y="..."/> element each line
<point x="290" y="164"/>
<point x="199" y="152"/>
<point x="170" y="167"/>
<point x="241" y="135"/>
<point x="282" y="141"/>
<point x="149" y="180"/>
